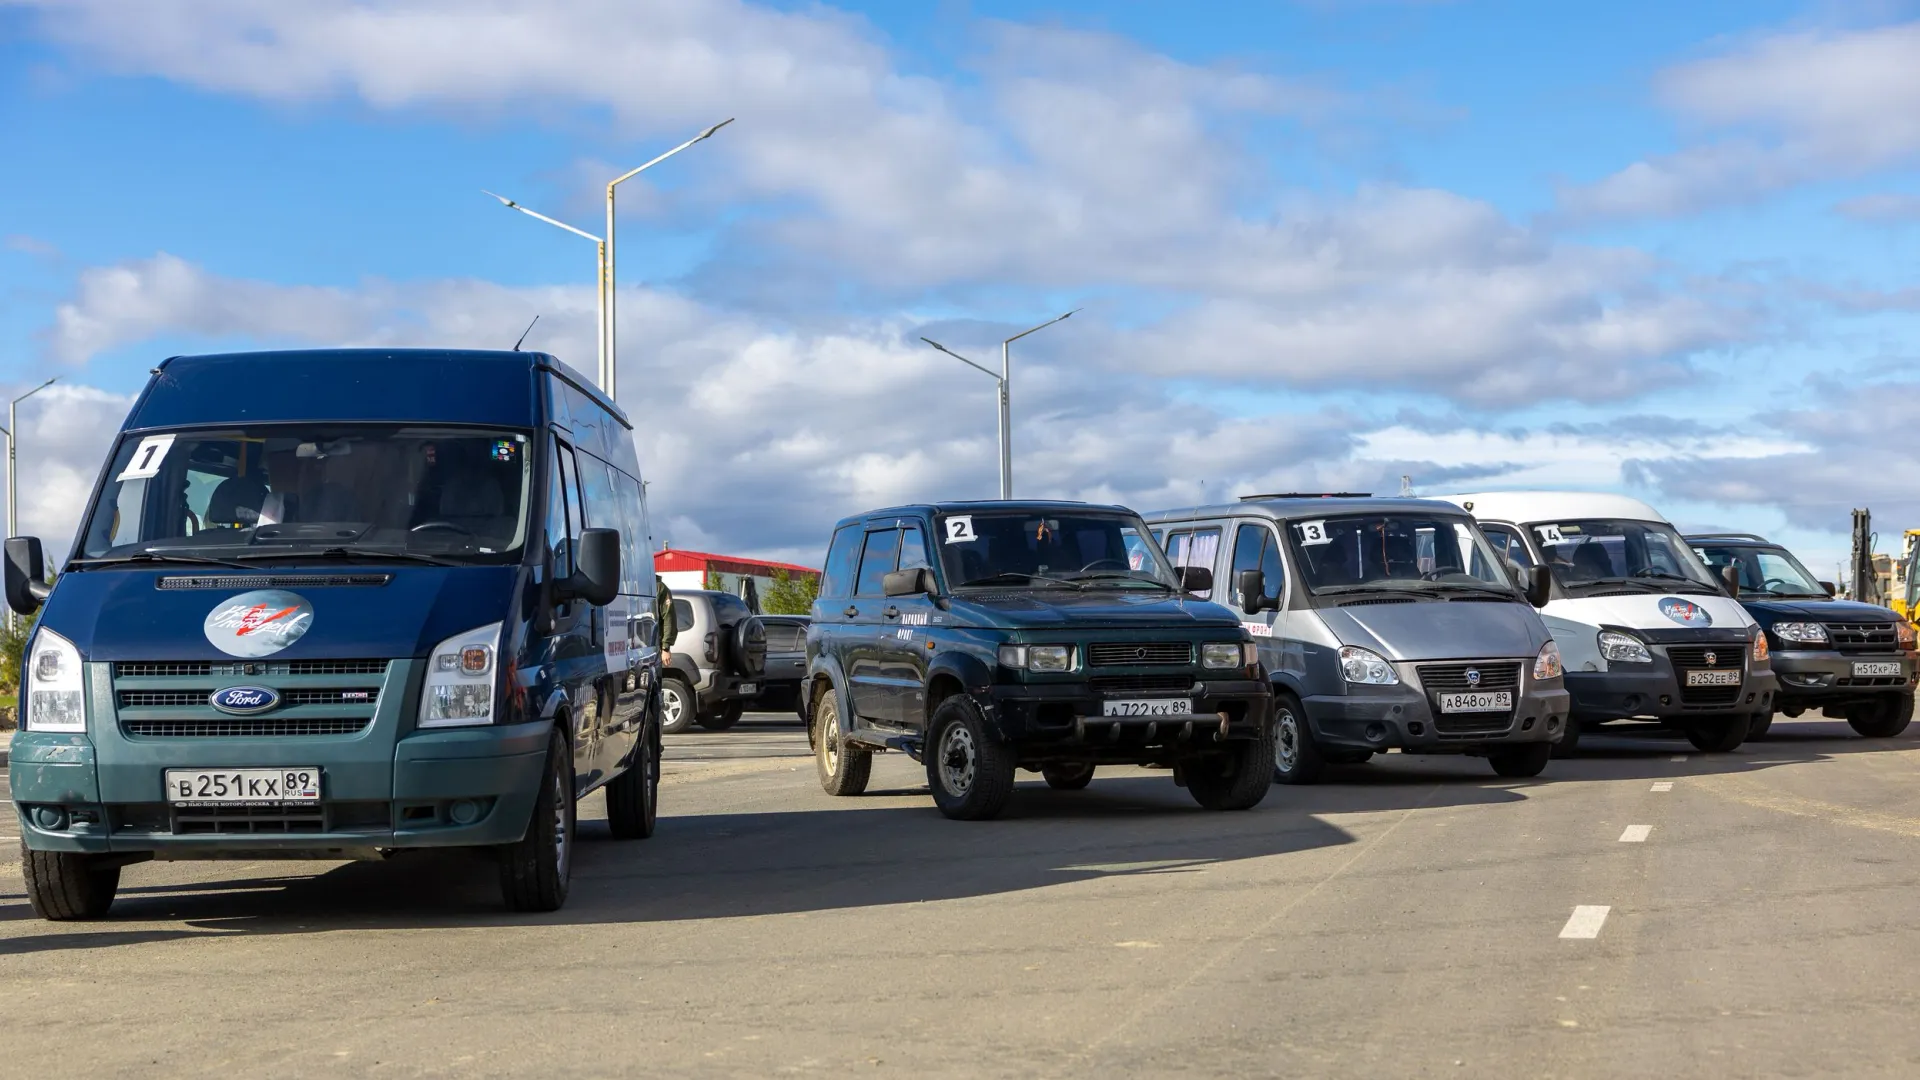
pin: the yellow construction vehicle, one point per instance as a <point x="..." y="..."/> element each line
<point x="1905" y="597"/>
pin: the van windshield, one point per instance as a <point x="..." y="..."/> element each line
<point x="440" y="494"/>
<point x="1399" y="552"/>
<point x="1595" y="555"/>
<point x="1067" y="548"/>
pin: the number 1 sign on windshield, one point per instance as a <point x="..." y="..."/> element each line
<point x="147" y="458"/>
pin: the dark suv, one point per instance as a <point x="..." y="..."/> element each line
<point x="1848" y="659"/>
<point x="984" y="637"/>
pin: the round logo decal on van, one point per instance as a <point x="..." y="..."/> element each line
<point x="258" y="623"/>
<point x="1685" y="612"/>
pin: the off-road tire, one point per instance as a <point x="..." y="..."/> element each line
<point x="1526" y="759"/>
<point x="1761" y="723"/>
<point x="1568" y="744"/>
<point x="536" y="870"/>
<point x="969" y="770"/>
<point x="724" y="717"/>
<point x="66" y="885"/>
<point x="633" y="797"/>
<point x="677" y="706"/>
<point x="843" y="769"/>
<point x="1883" y="719"/>
<point x="1719" y="736"/>
<point x="1296" y="760"/>
<point x="1236" y="778"/>
<point x="1068" y="777"/>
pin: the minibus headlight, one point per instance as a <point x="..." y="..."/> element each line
<point x="55" y="698"/>
<point x="1547" y="664"/>
<point x="1624" y="648"/>
<point x="460" y="679"/>
<point x="1366" y="667"/>
<point x="1222" y="654"/>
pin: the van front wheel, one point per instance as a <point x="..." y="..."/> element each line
<point x="1295" y="759"/>
<point x="1721" y="735"/>
<point x="66" y="885"/>
<point x="536" y="870"/>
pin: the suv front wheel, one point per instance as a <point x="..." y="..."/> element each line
<point x="969" y="771"/>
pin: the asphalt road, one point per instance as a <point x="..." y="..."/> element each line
<point x="1642" y="911"/>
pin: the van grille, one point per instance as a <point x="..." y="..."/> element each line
<point x="157" y="669"/>
<point x="1731" y="656"/>
<point x="170" y="699"/>
<point x="243" y="727"/>
<point x="1138" y="654"/>
<point x="270" y="581"/>
<point x="174" y="699"/>
<point x="1440" y="679"/>
<point x="1863" y="637"/>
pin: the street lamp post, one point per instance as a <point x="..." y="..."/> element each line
<point x="13" y="497"/>
<point x="608" y="371"/>
<point x="601" y="271"/>
<point x="1005" y="383"/>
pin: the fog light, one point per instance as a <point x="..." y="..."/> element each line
<point x="464" y="811"/>
<point x="1375" y="733"/>
<point x="1527" y="724"/>
<point x="1416" y="728"/>
<point x="1553" y="723"/>
<point x="50" y="818"/>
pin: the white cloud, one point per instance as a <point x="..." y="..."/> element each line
<point x="1779" y="110"/>
<point x="65" y="432"/>
<point x="1881" y="208"/>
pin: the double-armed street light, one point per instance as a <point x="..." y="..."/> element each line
<point x="1004" y="379"/>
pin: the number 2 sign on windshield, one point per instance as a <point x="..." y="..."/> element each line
<point x="959" y="530"/>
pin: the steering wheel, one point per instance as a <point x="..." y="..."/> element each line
<point x="1772" y="581"/>
<point x="1111" y="564"/>
<point x="447" y="525"/>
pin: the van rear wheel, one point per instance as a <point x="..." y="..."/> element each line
<point x="66" y="885"/>
<point x="633" y="797"/>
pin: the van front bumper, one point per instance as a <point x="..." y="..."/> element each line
<point x="1654" y="690"/>
<point x="1402" y="716"/>
<point x="452" y="787"/>
<point x="1819" y="677"/>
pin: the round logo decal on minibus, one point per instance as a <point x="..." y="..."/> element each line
<point x="258" y="623"/>
<point x="1685" y="612"/>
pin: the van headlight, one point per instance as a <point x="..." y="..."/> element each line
<point x="56" y="698"/>
<point x="1624" y="648"/>
<point x="1366" y="667"/>
<point x="1547" y="664"/>
<point x="460" y="679"/>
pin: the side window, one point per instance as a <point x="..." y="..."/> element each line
<point x="913" y="548"/>
<point x="1196" y="548"/>
<point x="1508" y="543"/>
<point x="876" y="562"/>
<point x="1256" y="548"/>
<point x="836" y="580"/>
<point x="557" y="514"/>
<point x="682" y="615"/>
<point x="571" y="521"/>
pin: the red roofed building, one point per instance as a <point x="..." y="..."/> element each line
<point x="682" y="569"/>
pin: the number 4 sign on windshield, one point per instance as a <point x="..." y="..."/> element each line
<point x="147" y="458"/>
<point x="1550" y="534"/>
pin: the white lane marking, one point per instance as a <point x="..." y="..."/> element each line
<point x="1635" y="834"/>
<point x="1679" y="757"/>
<point x="1586" y="921"/>
<point x="1663" y="785"/>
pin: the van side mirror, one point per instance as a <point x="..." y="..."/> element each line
<point x="1196" y="578"/>
<point x="1253" y="592"/>
<point x="1539" y="586"/>
<point x="910" y="582"/>
<point x="596" y="575"/>
<point x="26" y="574"/>
<point x="1730" y="580"/>
<point x="1831" y="591"/>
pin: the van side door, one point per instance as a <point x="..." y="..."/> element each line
<point x="1256" y="546"/>
<point x="867" y="683"/>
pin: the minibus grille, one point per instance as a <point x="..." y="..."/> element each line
<point x="1139" y="654"/>
<point x="269" y="581"/>
<point x="1731" y="656"/>
<point x="1863" y="637"/>
<point x="1439" y="679"/>
<point x="165" y="699"/>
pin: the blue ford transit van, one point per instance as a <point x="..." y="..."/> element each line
<point x="341" y="604"/>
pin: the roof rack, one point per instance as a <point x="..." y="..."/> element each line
<point x="1308" y="495"/>
<point x="1727" y="536"/>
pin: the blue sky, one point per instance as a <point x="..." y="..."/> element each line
<point x="1665" y="249"/>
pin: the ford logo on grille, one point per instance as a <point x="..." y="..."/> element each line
<point x="244" y="700"/>
<point x="1473" y="676"/>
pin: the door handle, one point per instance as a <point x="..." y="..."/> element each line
<point x="851" y="611"/>
<point x="891" y="612"/>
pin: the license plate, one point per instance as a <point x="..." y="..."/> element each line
<point x="1488" y="701"/>
<point x="243" y="787"/>
<point x="1867" y="668"/>
<point x="1150" y="707"/>
<point x="749" y="687"/>
<point x="1713" y="678"/>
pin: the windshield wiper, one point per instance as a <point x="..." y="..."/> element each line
<point x="349" y="553"/>
<point x="992" y="579"/>
<point x="1116" y="575"/>
<point x="1422" y="588"/>
<point x="156" y="557"/>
